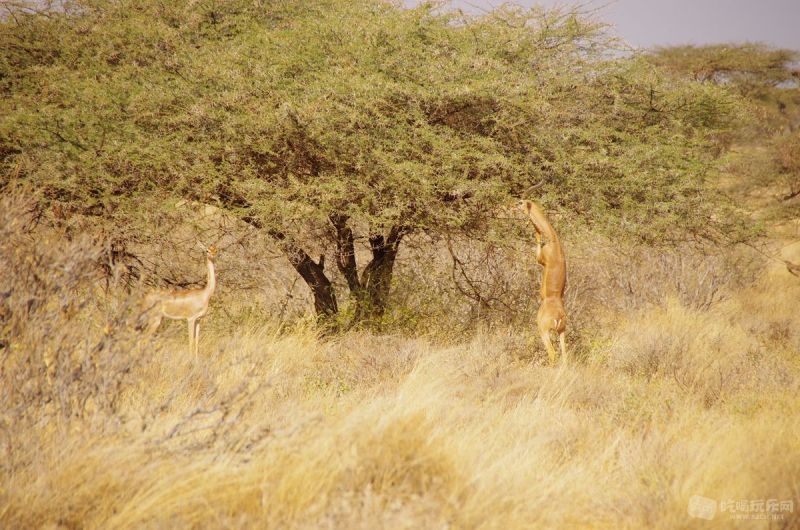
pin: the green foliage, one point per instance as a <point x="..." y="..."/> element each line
<point x="290" y="113"/>
<point x="764" y="76"/>
<point x="787" y="155"/>
<point x="747" y="66"/>
<point x="393" y="120"/>
<point x="779" y="171"/>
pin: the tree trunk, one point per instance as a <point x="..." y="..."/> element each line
<point x="371" y="292"/>
<point x="346" y="252"/>
<point x="313" y="273"/>
<point x="376" y="280"/>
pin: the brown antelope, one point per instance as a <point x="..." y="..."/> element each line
<point x="552" y="317"/>
<point x="189" y="304"/>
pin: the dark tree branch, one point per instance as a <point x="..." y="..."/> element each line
<point x="313" y="273"/>
<point x="345" y="251"/>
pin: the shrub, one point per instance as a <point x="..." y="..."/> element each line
<point x="63" y="352"/>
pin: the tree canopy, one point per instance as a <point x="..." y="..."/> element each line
<point x="747" y="66"/>
<point x="328" y="122"/>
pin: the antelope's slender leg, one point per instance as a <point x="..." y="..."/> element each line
<point x="196" y="337"/>
<point x="548" y="344"/>
<point x="190" y="323"/>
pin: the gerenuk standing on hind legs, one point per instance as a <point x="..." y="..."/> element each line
<point x="552" y="317"/>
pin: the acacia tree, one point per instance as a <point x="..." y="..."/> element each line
<point x="768" y="79"/>
<point x="749" y="66"/>
<point x="330" y="123"/>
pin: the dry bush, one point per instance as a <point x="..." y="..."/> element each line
<point x="454" y="286"/>
<point x="254" y="279"/>
<point x="623" y="277"/>
<point x="710" y="354"/>
<point x="162" y="247"/>
<point x="63" y="353"/>
<point x="787" y="157"/>
<point x="767" y="310"/>
<point x="274" y="427"/>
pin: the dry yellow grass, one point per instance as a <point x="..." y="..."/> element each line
<point x="283" y="430"/>
<point x="277" y="428"/>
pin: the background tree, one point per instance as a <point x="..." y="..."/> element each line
<point x="768" y="79"/>
<point x="787" y="150"/>
<point x="748" y="67"/>
<point x="332" y="124"/>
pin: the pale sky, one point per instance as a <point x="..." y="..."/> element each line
<point x="648" y="23"/>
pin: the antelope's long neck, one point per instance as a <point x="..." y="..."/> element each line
<point x="550" y="255"/>
<point x="540" y="221"/>
<point x="211" y="278"/>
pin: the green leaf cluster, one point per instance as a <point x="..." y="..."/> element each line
<point x="286" y="113"/>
